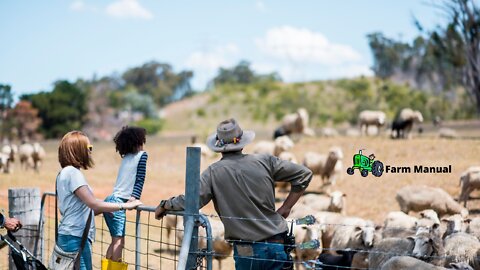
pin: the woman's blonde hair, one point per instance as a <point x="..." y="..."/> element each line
<point x="73" y="151"/>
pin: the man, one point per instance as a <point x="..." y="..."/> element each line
<point x="11" y="224"/>
<point x="242" y="189"/>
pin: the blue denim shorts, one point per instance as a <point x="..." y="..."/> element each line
<point x="115" y="220"/>
<point x="70" y="243"/>
<point x="260" y="256"/>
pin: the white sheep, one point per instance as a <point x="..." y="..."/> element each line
<point x="399" y="224"/>
<point x="418" y="198"/>
<point x="38" y="155"/>
<point x="221" y="248"/>
<point x="371" y="118"/>
<point x="4" y="163"/>
<point x="25" y="152"/>
<point x="328" y="222"/>
<point x="408" y="263"/>
<point x="447" y="133"/>
<point x="304" y="233"/>
<point x="288" y="156"/>
<point x="281" y="144"/>
<point x="295" y="123"/>
<point x="388" y="248"/>
<point x="453" y="224"/>
<point x="469" y="181"/>
<point x="329" y="132"/>
<point x="354" y="233"/>
<point x="403" y="124"/>
<point x="327" y="166"/>
<point x="462" y="247"/>
<point x="333" y="202"/>
<point x="11" y="150"/>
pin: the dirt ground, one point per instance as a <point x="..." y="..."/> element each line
<point x="368" y="197"/>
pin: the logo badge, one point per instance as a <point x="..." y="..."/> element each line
<point x="366" y="164"/>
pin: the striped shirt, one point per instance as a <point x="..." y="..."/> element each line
<point x="131" y="176"/>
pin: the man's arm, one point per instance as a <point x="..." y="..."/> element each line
<point x="289" y="202"/>
<point x="11" y="224"/>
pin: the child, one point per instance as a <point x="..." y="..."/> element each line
<point x="129" y="143"/>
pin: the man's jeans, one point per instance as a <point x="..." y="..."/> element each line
<point x="70" y="243"/>
<point x="259" y="256"/>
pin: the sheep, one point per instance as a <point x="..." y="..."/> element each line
<point x="169" y="223"/>
<point x="388" y="248"/>
<point x="281" y="144"/>
<point x="325" y="165"/>
<point x="429" y="246"/>
<point x="371" y="118"/>
<point x="469" y="181"/>
<point x="399" y="224"/>
<point x="473" y="227"/>
<point x="408" y="263"/>
<point x="304" y="234"/>
<point x="329" y="132"/>
<point x="221" y="248"/>
<point x="447" y="133"/>
<point x="350" y="132"/>
<point x="328" y="222"/>
<point x="25" y="152"/>
<point x="334" y="202"/>
<point x="454" y="224"/>
<point x="10" y="150"/>
<point x="288" y="156"/>
<point x="355" y="233"/>
<point x="428" y="215"/>
<point x="403" y="123"/>
<point x="417" y="198"/>
<point x="333" y="262"/>
<point x="296" y="123"/>
<point x="38" y="155"/>
<point x="360" y="260"/>
<point x="4" y="163"/>
<point x="462" y="247"/>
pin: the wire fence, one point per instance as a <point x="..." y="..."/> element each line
<point x="153" y="244"/>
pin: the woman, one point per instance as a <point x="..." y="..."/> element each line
<point x="75" y="197"/>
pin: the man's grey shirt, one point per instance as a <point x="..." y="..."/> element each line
<point x="242" y="188"/>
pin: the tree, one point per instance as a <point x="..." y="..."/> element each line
<point x="464" y="18"/>
<point x="62" y="110"/>
<point x="6" y="102"/>
<point x="242" y="74"/>
<point x="25" y="119"/>
<point x="159" y="81"/>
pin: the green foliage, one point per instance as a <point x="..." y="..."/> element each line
<point x="242" y="74"/>
<point x="153" y="126"/>
<point x="159" y="81"/>
<point x="61" y="110"/>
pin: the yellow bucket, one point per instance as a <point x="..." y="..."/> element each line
<point x="112" y="265"/>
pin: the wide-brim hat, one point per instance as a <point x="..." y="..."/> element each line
<point x="229" y="137"/>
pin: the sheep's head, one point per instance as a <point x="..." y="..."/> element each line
<point x="366" y="233"/>
<point x="423" y="246"/>
<point x="336" y="200"/>
<point x="336" y="152"/>
<point x="284" y="143"/>
<point x="418" y="117"/>
<point x="430" y="215"/>
<point x="455" y="223"/>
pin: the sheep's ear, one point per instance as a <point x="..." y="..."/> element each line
<point x="412" y="238"/>
<point x="468" y="220"/>
<point x="378" y="227"/>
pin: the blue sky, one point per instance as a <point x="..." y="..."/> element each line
<point x="302" y="40"/>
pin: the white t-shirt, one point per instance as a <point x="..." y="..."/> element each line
<point x="127" y="175"/>
<point x="73" y="211"/>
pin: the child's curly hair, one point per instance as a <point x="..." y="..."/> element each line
<point x="129" y="139"/>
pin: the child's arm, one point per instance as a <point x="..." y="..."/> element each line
<point x="140" y="177"/>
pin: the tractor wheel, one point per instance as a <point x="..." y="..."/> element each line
<point x="377" y="168"/>
<point x="364" y="173"/>
<point x="350" y="170"/>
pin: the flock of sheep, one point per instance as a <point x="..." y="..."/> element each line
<point x="30" y="156"/>
<point x="439" y="236"/>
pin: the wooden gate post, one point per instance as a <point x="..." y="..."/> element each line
<point x="24" y="204"/>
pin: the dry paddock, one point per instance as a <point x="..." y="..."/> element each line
<point x="369" y="197"/>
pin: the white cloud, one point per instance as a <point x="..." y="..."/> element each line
<point x="205" y="64"/>
<point x="302" y="45"/>
<point x="128" y="9"/>
<point x="78" y="5"/>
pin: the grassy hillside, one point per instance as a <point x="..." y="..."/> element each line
<point x="261" y="105"/>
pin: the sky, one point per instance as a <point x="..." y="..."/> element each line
<point x="45" y="41"/>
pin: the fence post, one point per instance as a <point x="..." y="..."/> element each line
<point x="24" y="204"/>
<point x="138" y="240"/>
<point x="192" y="191"/>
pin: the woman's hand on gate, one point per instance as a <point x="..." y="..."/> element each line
<point x="132" y="205"/>
<point x="12" y="224"/>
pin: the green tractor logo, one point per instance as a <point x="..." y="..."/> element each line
<point x="366" y="164"/>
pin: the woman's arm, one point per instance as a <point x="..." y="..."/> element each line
<point x="99" y="206"/>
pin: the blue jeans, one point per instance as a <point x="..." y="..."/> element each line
<point x="70" y="243"/>
<point x="259" y="256"/>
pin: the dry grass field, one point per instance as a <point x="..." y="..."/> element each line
<point x="369" y="197"/>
